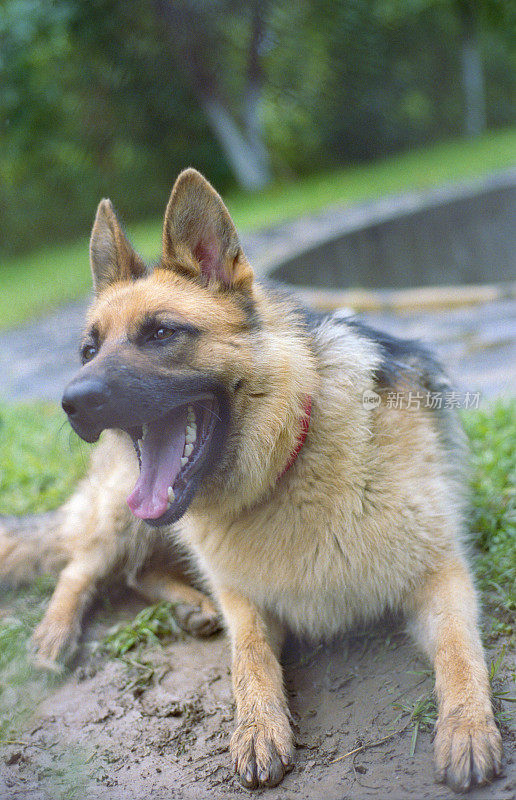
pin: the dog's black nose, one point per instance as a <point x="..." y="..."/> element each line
<point x="87" y="395"/>
<point x="85" y="400"/>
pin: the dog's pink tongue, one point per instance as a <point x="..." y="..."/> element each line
<point x="161" y="453"/>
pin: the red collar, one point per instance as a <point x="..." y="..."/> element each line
<point x="305" y="423"/>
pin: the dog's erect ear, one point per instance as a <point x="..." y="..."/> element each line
<point x="199" y="237"/>
<point x="112" y="257"/>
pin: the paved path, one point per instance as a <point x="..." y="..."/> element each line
<point x="476" y="343"/>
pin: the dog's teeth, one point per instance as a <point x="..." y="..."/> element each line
<point x="184" y="461"/>
<point x="188" y="450"/>
<point x="171" y="495"/>
<point x="191" y="434"/>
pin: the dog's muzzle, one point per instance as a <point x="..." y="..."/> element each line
<point x="178" y="424"/>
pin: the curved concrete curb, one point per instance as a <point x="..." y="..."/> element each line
<point x="461" y="234"/>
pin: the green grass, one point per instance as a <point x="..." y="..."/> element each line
<point x="152" y="625"/>
<point x="41" y="458"/>
<point x="417" y="169"/>
<point x="423" y="716"/>
<point x="129" y="641"/>
<point x="35" y="283"/>
<point x="492" y="436"/>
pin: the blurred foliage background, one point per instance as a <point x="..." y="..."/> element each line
<point x="114" y="97"/>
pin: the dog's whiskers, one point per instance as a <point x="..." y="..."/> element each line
<point x="210" y="410"/>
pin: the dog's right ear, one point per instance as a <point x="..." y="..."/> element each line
<point x="199" y="237"/>
<point x="111" y="256"/>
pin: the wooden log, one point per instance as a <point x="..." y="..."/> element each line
<point x="424" y="298"/>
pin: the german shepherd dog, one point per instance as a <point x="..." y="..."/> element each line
<point x="305" y="508"/>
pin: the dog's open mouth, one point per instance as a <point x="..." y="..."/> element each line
<point x="172" y="451"/>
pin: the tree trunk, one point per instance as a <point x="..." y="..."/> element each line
<point x="245" y="157"/>
<point x="254" y="88"/>
<point x="472" y="72"/>
<point x="193" y="44"/>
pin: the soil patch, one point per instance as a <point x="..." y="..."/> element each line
<point x="160" y="727"/>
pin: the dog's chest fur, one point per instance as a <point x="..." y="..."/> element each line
<point x="351" y="528"/>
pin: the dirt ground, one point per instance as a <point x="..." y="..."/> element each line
<point x="101" y="733"/>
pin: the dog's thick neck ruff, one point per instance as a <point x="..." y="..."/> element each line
<point x="304" y="425"/>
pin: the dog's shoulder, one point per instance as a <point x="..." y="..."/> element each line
<point x="403" y="362"/>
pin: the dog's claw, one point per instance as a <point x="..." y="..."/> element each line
<point x="262" y="756"/>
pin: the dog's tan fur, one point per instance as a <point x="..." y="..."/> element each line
<point x="368" y="518"/>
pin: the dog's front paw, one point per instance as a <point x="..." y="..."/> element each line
<point x="198" y="620"/>
<point x="52" y="644"/>
<point x="262" y="752"/>
<point x="467" y="750"/>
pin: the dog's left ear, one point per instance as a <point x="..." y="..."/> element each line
<point x="199" y="237"/>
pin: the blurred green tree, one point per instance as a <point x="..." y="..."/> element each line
<point x="359" y="79"/>
<point x="90" y="104"/>
<point x="115" y="96"/>
<point x="474" y="17"/>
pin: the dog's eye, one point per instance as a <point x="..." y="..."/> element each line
<point x="162" y="333"/>
<point x="87" y="352"/>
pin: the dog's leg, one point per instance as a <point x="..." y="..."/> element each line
<point x="262" y="745"/>
<point x="56" y="636"/>
<point x="193" y="610"/>
<point x="467" y="744"/>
